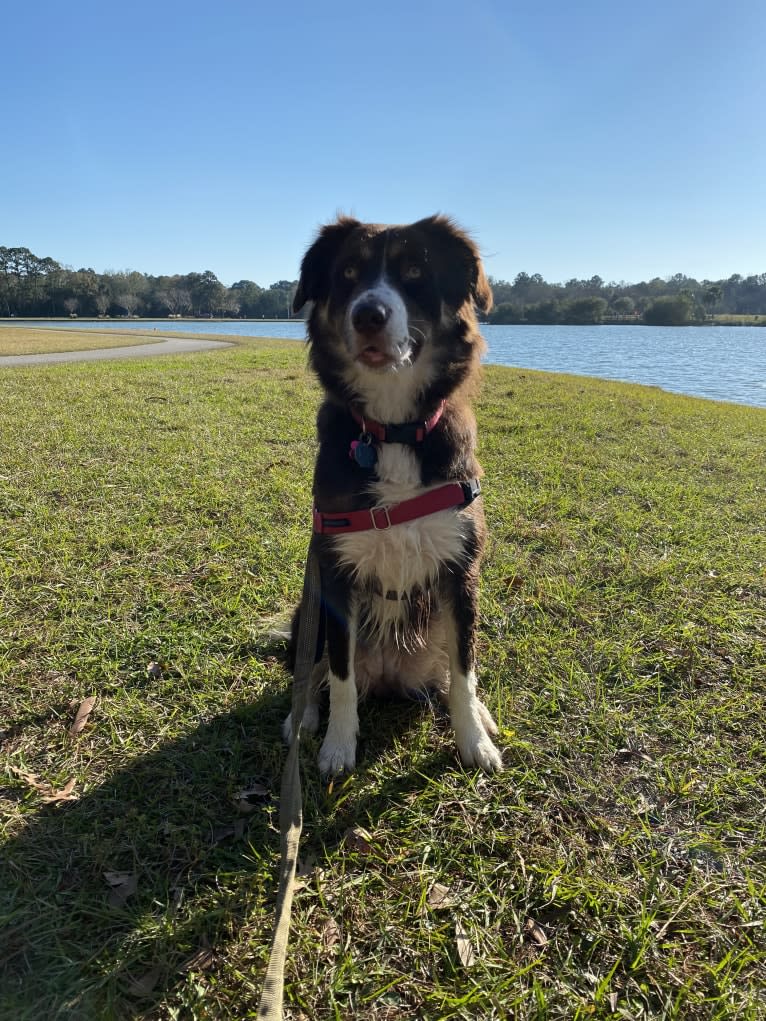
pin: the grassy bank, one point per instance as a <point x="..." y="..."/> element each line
<point x="154" y="512"/>
<point x="26" y="340"/>
<point x="730" y="319"/>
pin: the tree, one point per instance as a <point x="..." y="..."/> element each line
<point x="230" y="303"/>
<point x="623" y="305"/>
<point x="276" y="302"/>
<point x="671" y="310"/>
<point x="505" y="312"/>
<point x="544" y="312"/>
<point x="205" y="290"/>
<point x="183" y="300"/>
<point x="129" y="302"/>
<point x="248" y="294"/>
<point x="583" y="311"/>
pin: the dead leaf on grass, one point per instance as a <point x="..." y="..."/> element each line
<point x="440" y="897"/>
<point x="465" y="950"/>
<point x="358" y="839"/>
<point x="330" y="934"/>
<point x="154" y="670"/>
<point x="612" y="1001"/>
<point x="86" y="708"/>
<point x="535" y="932"/>
<point x="198" y="961"/>
<point x="123" y="885"/>
<point x="65" y="794"/>
<point x="244" y="797"/>
<point x="49" y="794"/>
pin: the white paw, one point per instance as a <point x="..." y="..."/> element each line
<point x="474" y="727"/>
<point x="480" y="751"/>
<point x="487" y="721"/>
<point x="310" y="722"/>
<point x="338" y="752"/>
<point x="477" y="749"/>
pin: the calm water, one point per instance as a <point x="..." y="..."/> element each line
<point x="719" y="362"/>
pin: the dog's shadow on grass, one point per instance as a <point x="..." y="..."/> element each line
<point x="107" y="902"/>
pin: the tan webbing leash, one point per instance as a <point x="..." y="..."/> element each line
<point x="291" y="798"/>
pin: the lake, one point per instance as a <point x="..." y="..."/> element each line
<point x="726" y="363"/>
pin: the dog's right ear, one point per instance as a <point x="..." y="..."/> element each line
<point x="317" y="262"/>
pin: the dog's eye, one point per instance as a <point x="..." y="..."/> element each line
<point x="412" y="272"/>
<point x="350" y="272"/>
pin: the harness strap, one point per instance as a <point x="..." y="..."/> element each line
<point x="453" y="494"/>
<point x="291" y="799"/>
<point x="402" y="432"/>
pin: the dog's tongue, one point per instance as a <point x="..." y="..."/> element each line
<point x="372" y="356"/>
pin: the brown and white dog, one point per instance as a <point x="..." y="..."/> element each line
<point x="396" y="346"/>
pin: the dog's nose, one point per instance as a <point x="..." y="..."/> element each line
<point x="370" y="317"/>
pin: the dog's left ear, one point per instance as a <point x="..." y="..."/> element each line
<point x="457" y="262"/>
<point x="317" y="262"/>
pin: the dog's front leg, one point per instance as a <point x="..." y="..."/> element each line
<point x="471" y="721"/>
<point x="338" y="751"/>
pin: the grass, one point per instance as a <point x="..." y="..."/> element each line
<point x="155" y="512"/>
<point x="731" y="319"/>
<point x="26" y="340"/>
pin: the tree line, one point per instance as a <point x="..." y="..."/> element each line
<point x="674" y="300"/>
<point x="31" y="286"/>
<point x="34" y="286"/>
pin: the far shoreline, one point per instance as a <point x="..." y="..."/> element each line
<point x="719" y="320"/>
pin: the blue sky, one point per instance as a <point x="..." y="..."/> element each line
<point x="622" y="139"/>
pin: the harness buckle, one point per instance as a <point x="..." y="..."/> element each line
<point x="384" y="510"/>
<point x="471" y="490"/>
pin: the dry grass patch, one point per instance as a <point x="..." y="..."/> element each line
<point x="29" y="340"/>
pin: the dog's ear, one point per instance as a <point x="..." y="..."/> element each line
<point x="457" y="262"/>
<point x="317" y="262"/>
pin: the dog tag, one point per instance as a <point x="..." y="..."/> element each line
<point x="363" y="452"/>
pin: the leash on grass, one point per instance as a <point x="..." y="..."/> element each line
<point x="291" y="798"/>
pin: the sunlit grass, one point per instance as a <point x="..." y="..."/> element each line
<point x="27" y="340"/>
<point x="154" y="512"/>
<point x="732" y="319"/>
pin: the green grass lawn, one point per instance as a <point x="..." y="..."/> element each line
<point x="153" y="514"/>
<point x="27" y="340"/>
<point x="729" y="319"/>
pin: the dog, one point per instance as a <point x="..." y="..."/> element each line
<point x="399" y="531"/>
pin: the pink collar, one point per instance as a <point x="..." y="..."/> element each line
<point x="403" y="432"/>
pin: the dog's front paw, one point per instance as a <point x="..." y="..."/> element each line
<point x="474" y="728"/>
<point x="487" y="720"/>
<point x="310" y="722"/>
<point x="476" y="748"/>
<point x="338" y="752"/>
<point x="482" y="754"/>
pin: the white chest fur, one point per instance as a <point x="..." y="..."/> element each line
<point x="407" y="555"/>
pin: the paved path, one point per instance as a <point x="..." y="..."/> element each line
<point x="174" y="346"/>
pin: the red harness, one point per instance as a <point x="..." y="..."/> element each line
<point x="452" y="494"/>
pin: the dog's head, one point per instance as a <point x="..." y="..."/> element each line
<point x="388" y="297"/>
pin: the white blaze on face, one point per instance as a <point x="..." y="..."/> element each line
<point x="389" y="391"/>
<point x="394" y="337"/>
